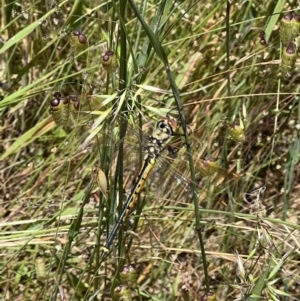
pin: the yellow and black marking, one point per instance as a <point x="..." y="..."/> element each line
<point x="109" y="61"/>
<point x="157" y="142"/>
<point x="139" y="185"/>
<point x="62" y="107"/>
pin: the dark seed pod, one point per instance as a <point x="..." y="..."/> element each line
<point x="57" y="94"/>
<point x="129" y="275"/>
<point x="288" y="59"/>
<point x="74" y="105"/>
<point x="78" y="41"/>
<point x="82" y="39"/>
<point x="109" y="61"/>
<point x="76" y="33"/>
<point x="287" y="34"/>
<point x="263" y="42"/>
<point x="260" y="41"/>
<point x="55" y="102"/>
<point x="290" y="48"/>
<point x="122" y="293"/>
<point x="60" y="109"/>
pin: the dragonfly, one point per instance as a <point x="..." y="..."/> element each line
<point x="166" y="138"/>
<point x="157" y="143"/>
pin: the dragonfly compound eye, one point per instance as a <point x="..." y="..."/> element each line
<point x="166" y="127"/>
<point x="162" y="124"/>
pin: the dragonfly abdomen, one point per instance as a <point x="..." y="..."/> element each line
<point x="132" y="198"/>
<point x="148" y="165"/>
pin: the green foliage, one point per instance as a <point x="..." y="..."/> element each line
<point x="81" y="82"/>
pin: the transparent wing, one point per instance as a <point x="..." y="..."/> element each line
<point x="171" y="169"/>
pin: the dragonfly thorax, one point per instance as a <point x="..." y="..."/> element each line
<point x="160" y="138"/>
<point x="154" y="147"/>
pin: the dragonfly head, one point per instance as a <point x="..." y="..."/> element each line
<point x="168" y="125"/>
<point x="164" y="131"/>
<point x="174" y="129"/>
